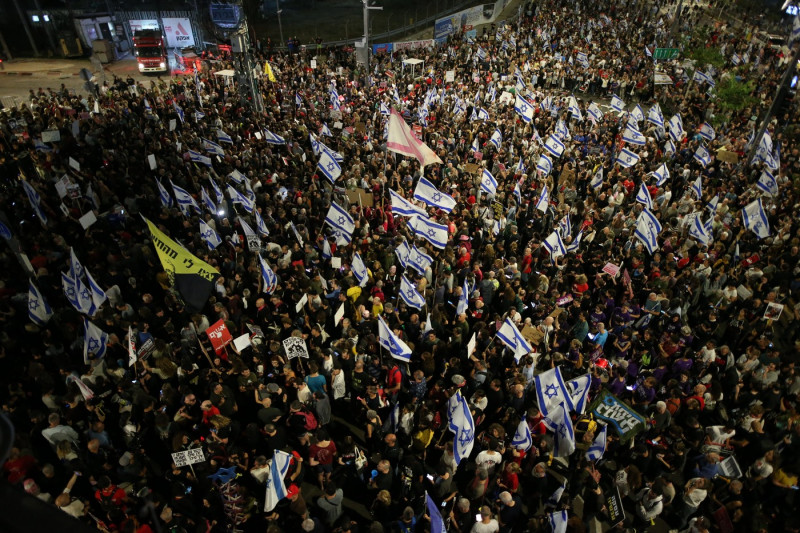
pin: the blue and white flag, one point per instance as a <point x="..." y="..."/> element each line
<point x="329" y="167"/>
<point x="551" y="390"/>
<point x="463" y="300"/>
<point x="701" y="231"/>
<point x="511" y="337"/>
<point x="199" y="115"/>
<point x="224" y="137"/>
<point x="76" y="270"/>
<point x="5" y="231"/>
<point x="555" y="245"/>
<point x="163" y="195"/>
<point x="434" y="233"/>
<point x="554" y="146"/>
<point x="185" y="200"/>
<point x="276" y="487"/>
<point x="576" y="243"/>
<point x="179" y="111"/>
<point x="268" y="277"/>
<point x="543" y="203"/>
<point x="388" y="340"/>
<point x="755" y="219"/>
<point x="482" y="114"/>
<point x="209" y="236"/>
<point x="38" y="309"/>
<point x="767" y="183"/>
<point x="617" y="104"/>
<point x="561" y="131"/>
<point x="558" y="521"/>
<point x="211" y="207"/>
<point x="402" y="207"/>
<point x="334" y="98"/>
<point x="675" y="126"/>
<point x="359" y="270"/>
<point x="633" y="136"/>
<point x="655" y="116"/>
<point x="647" y="229"/>
<point x="98" y="294"/>
<point x="488" y="182"/>
<point x="481" y="54"/>
<point x="697" y="187"/>
<point x="341" y="221"/>
<point x="297" y="100"/>
<point x="410" y="294"/>
<point x="419" y="260"/>
<point x="707" y="132"/>
<point x="544" y="165"/>
<point x="597" y="179"/>
<point x="560" y="424"/>
<point x="521" y="168"/>
<point x="522" y="438"/>
<point x="524" y="108"/>
<point x="197" y="157"/>
<point x="564" y="227"/>
<point x="496" y="139"/>
<point x="594" y="112"/>
<point x="578" y="390"/>
<point x="402" y="251"/>
<point x="35" y="201"/>
<point x="437" y="524"/>
<point x="461" y="423"/>
<point x="546" y="104"/>
<point x="41" y="146"/>
<point x="425" y="191"/>
<point x="626" y="158"/>
<point x="700" y="76"/>
<point x="643" y="197"/>
<point x="239" y="198"/>
<point x="95" y="341"/>
<point x="669" y="147"/>
<point x="598" y="446"/>
<point x="637" y="113"/>
<point x="273" y="138"/>
<point x="702" y="156"/>
<point x="581" y="58"/>
<point x="712" y="204"/>
<point x="326" y="250"/>
<point x="385" y="109"/>
<point x="575" y="109"/>
<point x="661" y="174"/>
<point x="260" y="226"/>
<point x="217" y="191"/>
<point x="555" y="498"/>
<point x="648" y="52"/>
<point x="213" y="148"/>
<point x="78" y="294"/>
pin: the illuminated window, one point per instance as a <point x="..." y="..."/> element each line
<point x="35" y="18"/>
<point x="47" y="18"/>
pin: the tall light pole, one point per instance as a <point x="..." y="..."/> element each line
<point x="367" y="50"/>
<point x="280" y="27"/>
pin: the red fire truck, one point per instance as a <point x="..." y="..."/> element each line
<point x="151" y="54"/>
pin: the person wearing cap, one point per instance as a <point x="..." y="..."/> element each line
<point x="486" y="524"/>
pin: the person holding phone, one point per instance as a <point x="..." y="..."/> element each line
<point x="484" y="523"/>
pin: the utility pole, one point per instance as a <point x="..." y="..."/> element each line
<point x="280" y="27"/>
<point x="27" y="28"/>
<point x="366" y="35"/>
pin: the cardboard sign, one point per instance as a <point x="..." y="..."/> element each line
<point x="299" y="305"/>
<point x="61" y="186"/>
<point x="241" y="342"/>
<point x="151" y="160"/>
<point x="361" y="127"/>
<point x="472" y="168"/>
<point x="51" y="136"/>
<point x="336" y="262"/>
<point x="727" y="157"/>
<point x="256" y="330"/>
<point x="473" y="342"/>
<point x="478" y="156"/>
<point x="295" y="347"/>
<point x="253" y="243"/>
<point x="616" y="513"/>
<point x="87" y="220"/>
<point x="730" y="468"/>
<point x="188" y="457"/>
<point x="219" y="336"/>
<point x="773" y="311"/>
<point x="611" y="269"/>
<point x="361" y="197"/>
<point x="532" y="334"/>
<point x="313" y="63"/>
<point x="564" y="300"/>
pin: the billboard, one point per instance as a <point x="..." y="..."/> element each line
<point x="143" y="24"/>
<point x="178" y="32"/>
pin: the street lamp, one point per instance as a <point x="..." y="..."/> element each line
<point x="280" y="28"/>
<point x="367" y="7"/>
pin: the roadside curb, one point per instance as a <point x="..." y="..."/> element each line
<point x="16" y="73"/>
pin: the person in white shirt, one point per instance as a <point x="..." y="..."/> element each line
<point x="650" y="503"/>
<point x="488" y="459"/>
<point x="486" y="524"/>
<point x="57" y="432"/>
<point x="695" y="492"/>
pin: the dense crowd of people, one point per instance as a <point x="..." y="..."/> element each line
<point x="696" y="332"/>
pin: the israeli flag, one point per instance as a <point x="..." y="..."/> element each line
<point x="647" y="229"/>
<point x="707" y="132"/>
<point x="524" y="108"/>
<point x="163" y="195"/>
<point x="697" y="187"/>
<point x="211" y="207"/>
<point x="488" y="182"/>
<point x="385" y="110"/>
<point x="633" y="136"/>
<point x="736" y="59"/>
<point x="426" y="192"/>
<point x="95" y="341"/>
<point x="35" y="200"/>
<point x="276" y="488"/>
<point x="38" y="309"/>
<point x="197" y="157"/>
<point x="550" y="390"/>
<point x="209" y="236"/>
<point x="544" y="165"/>
<point x="329" y="167"/>
<point x="434" y="233"/>
<point x="597" y="179"/>
<point x="700" y="231"/>
<point x="617" y="104"/>
<point x="561" y="130"/>
<point x="582" y="59"/>
<point x="462" y="425"/>
<point x="268" y="276"/>
<point x="410" y="294"/>
<point x="511" y="337"/>
<point x="326" y="250"/>
<point x="199" y="115"/>
<point x="702" y="156"/>
<point x="755" y="219"/>
<point x="626" y="158"/>
<point x="546" y="104"/>
<point x="359" y="270"/>
<point x="554" y="146"/>
<point x="482" y="114"/>
<point x="41" y="146"/>
<point x="558" y="521"/>
<point x="544" y="200"/>
<point x="217" y="191"/>
<point x="224" y="137"/>
<point x="213" y="148"/>
<point x="555" y="246"/>
<point x="273" y="138"/>
<point x="239" y="198"/>
<point x="481" y="54"/>
<point x="521" y="166"/>
<point x="98" y="294"/>
<point x="535" y="137"/>
<point x="341" y="221"/>
<point x="260" y="226"/>
<point x="522" y="438"/>
<point x="76" y="270"/>
<point x="643" y="197"/>
<point x="463" y="301"/>
<point x="655" y="116"/>
<point x="594" y="112"/>
<point x="185" y="200"/>
<point x="496" y="139"/>
<point x="388" y="340"/>
<point x="5" y="231"/>
<point x="402" y="251"/>
<point x="712" y="204"/>
<point x="700" y="76"/>
<point x="767" y="183"/>
<point x="179" y="111"/>
<point x="648" y="52"/>
<point x="661" y="174"/>
<point x="675" y="126"/>
<point x="437" y="523"/>
<point x="598" y="446"/>
<point x="565" y="227"/>
<point x="575" y="109"/>
<point x="419" y="260"/>
<point x="578" y="390"/>
<point x="77" y="294"/>
<point x="402" y="207"/>
<point x="669" y="147"/>
<point x="560" y="423"/>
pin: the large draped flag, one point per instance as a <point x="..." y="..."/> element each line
<point x="522" y="438"/>
<point x="598" y="446"/>
<point x="434" y="233"/>
<point x="410" y="294"/>
<point x="647" y="229"/>
<point x="95" y="341"/>
<point x="559" y="421"/>
<point x="550" y="390"/>
<point x="402" y="207"/>
<point x="209" y="236"/>
<point x="387" y="339"/>
<point x="276" y="487"/>
<point x="38" y="309"/>
<point x="511" y="337"/>
<point x="341" y="221"/>
<point x="78" y="294"/>
<point x="419" y="260"/>
<point x="643" y="196"/>
<point x="755" y="219"/>
<point x="403" y="141"/>
<point x="626" y="158"/>
<point x="578" y="390"/>
<point x="524" y="108"/>
<point x="192" y="277"/>
<point x="461" y="423"/>
<point x="328" y="165"/>
<point x="661" y="174"/>
<point x="428" y="193"/>
<point x="488" y="182"/>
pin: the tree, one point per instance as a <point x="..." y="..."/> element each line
<point x="733" y="96"/>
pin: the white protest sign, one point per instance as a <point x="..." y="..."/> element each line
<point x="242" y="342"/>
<point x="51" y="136"/>
<point x="450" y="75"/>
<point x="313" y="63"/>
<point x="258" y="135"/>
<point x="336" y="262"/>
<point x="303" y="301"/>
<point x="88" y="219"/>
<point x="151" y="159"/>
<point x="473" y="342"/>
<point x="295" y="347"/>
<point x="74" y="164"/>
<point x="61" y="186"/>
<point x="188" y="457"/>
<point x="172" y="124"/>
<point x="611" y="269"/>
<point x="339" y="315"/>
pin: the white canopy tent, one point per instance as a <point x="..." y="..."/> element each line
<point x="227" y="74"/>
<point x="413" y="62"/>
